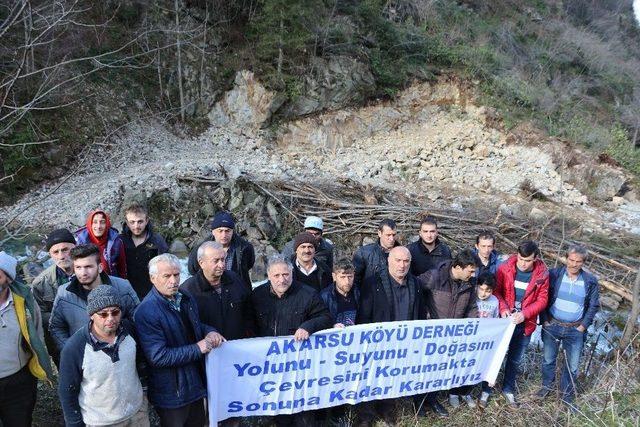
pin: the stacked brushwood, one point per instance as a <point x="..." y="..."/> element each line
<point x="351" y="210"/>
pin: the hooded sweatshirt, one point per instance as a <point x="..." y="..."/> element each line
<point x="112" y="252"/>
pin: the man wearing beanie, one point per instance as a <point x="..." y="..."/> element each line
<point x="59" y="244"/>
<point x="240" y="253"/>
<point x="324" y="247"/>
<point x="69" y="308"/>
<point x="99" y="381"/>
<point x="306" y="268"/>
<point x="23" y="356"/>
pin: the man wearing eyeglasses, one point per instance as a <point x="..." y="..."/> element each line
<point x="99" y="382"/>
<point x="69" y="311"/>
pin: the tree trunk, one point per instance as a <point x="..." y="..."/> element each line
<point x="179" y="57"/>
<point x="630" y="327"/>
<point x="280" y="42"/>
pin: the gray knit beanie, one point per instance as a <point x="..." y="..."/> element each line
<point x="8" y="264"/>
<point x="102" y="297"/>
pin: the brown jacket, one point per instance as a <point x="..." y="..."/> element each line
<point x="446" y="298"/>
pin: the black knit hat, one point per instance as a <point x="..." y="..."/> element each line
<point x="61" y="235"/>
<point x="102" y="297"/>
<point x="304" y="237"/>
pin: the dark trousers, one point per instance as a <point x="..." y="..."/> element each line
<point x="370" y="411"/>
<point x="517" y="347"/>
<point x="572" y="341"/>
<point x="301" y="419"/>
<point x="191" y="415"/>
<point x="17" y="398"/>
<point x="461" y="391"/>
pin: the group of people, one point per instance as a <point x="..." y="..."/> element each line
<point x="113" y="315"/>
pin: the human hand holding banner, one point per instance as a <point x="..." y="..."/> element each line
<point x="277" y="375"/>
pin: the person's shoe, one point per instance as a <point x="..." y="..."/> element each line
<point x="511" y="399"/>
<point x="471" y="402"/>
<point x="454" y="400"/>
<point x="438" y="409"/>
<point x="484" y="399"/>
<point x="542" y="393"/>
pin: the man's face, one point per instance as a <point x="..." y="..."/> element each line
<point x="87" y="269"/>
<point x="107" y="320"/>
<point x="428" y="233"/>
<point x="484" y="292"/>
<point x="4" y="280"/>
<point x="399" y="263"/>
<point x="222" y="235"/>
<point x="525" y="264"/>
<point x="484" y="247"/>
<point x="167" y="279"/>
<point x="280" y="278"/>
<point x="574" y="263"/>
<point x="315" y="233"/>
<point x="213" y="263"/>
<point x="343" y="280"/>
<point x="387" y="237"/>
<point x="60" y="253"/>
<point x="465" y="273"/>
<point x="305" y="252"/>
<point x="98" y="225"/>
<point x="137" y="223"/>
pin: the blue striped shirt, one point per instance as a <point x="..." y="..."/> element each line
<point x="569" y="304"/>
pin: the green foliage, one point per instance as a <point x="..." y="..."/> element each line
<point x="287" y="26"/>
<point x="622" y="150"/>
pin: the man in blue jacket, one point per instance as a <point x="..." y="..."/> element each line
<point x="574" y="299"/>
<point x="174" y="343"/>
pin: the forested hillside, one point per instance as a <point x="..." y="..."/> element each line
<point x="75" y="71"/>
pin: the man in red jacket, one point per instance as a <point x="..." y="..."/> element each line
<point x="522" y="288"/>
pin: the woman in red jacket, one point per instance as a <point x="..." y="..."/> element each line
<point x="98" y="231"/>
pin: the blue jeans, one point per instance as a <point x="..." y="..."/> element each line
<point x="572" y="343"/>
<point x="517" y="346"/>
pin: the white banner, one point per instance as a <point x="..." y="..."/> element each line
<point x="277" y="375"/>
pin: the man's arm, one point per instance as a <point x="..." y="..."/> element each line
<point x="318" y="316"/>
<point x="192" y="264"/>
<point x="121" y="262"/>
<point x="593" y="305"/>
<point x="69" y="380"/>
<point x="58" y="326"/>
<point x="360" y="267"/>
<point x="365" y="308"/>
<point x="157" y="351"/>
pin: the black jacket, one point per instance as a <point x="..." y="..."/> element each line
<point x="229" y="312"/>
<point x="368" y="260"/>
<point x="324" y="252"/>
<point x="376" y="299"/>
<point x="243" y="260"/>
<point x="299" y="307"/>
<point x="138" y="258"/>
<point x="318" y="280"/>
<point x="330" y="298"/>
<point x="446" y="298"/>
<point x="423" y="260"/>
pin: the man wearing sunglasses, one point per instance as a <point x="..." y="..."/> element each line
<point x="99" y="381"/>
